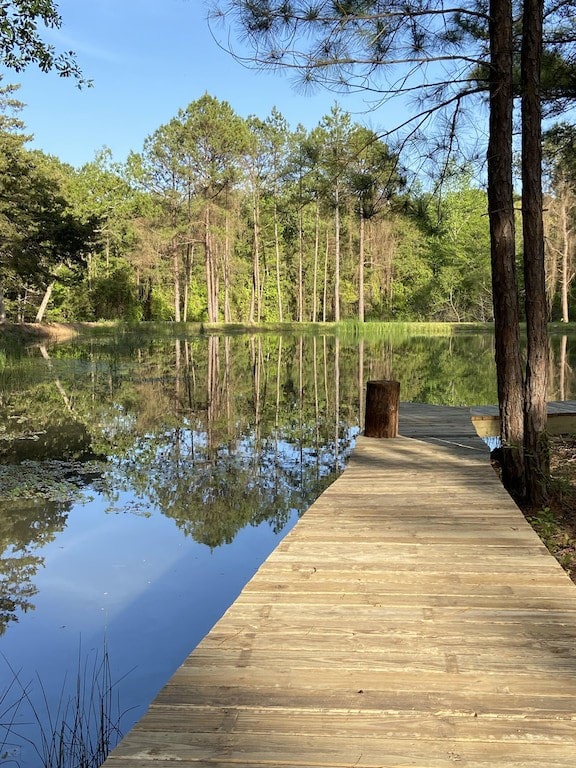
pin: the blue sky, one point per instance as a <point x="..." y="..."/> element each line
<point x="148" y="58"/>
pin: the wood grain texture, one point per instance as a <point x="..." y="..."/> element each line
<point x="412" y="618"/>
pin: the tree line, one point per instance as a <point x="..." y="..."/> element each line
<point x="224" y="219"/>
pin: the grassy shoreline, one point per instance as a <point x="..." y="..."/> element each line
<point x="57" y="331"/>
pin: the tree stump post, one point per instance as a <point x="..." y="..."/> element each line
<point x="382" y="405"/>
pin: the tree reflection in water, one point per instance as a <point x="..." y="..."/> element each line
<point x="215" y="432"/>
<point x="219" y="434"/>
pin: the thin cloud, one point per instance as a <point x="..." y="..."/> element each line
<point x="62" y="41"/>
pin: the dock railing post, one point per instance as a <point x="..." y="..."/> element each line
<point x="382" y="406"/>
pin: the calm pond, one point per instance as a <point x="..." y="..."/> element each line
<point x="143" y="480"/>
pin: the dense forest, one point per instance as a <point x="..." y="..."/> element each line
<point x="224" y="219"/>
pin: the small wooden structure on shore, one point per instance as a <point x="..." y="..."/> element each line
<point x="412" y="618"/>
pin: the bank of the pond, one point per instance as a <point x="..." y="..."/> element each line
<point x="556" y="522"/>
<point x="56" y="331"/>
<point x="26" y="332"/>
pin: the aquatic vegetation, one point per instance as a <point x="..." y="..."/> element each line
<point x="78" y="732"/>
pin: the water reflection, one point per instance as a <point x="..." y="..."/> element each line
<point x="35" y="499"/>
<point x="201" y="446"/>
<point x="215" y="432"/>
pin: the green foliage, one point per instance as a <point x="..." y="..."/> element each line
<point x="545" y="524"/>
<point x="114" y="296"/>
<point x="229" y="218"/>
<point x="21" y="44"/>
<point x="39" y="232"/>
<point x="160" y="305"/>
<point x="553" y="532"/>
<point x="71" y="304"/>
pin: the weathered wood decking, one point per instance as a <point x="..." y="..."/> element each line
<point x="561" y="418"/>
<point x="411" y="618"/>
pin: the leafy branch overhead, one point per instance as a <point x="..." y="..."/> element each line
<point x="23" y="27"/>
<point x="433" y="53"/>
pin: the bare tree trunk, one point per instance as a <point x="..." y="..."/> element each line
<point x="277" y="253"/>
<point x="227" y="312"/>
<point x="361" y="270"/>
<point x="44" y="303"/>
<point x="189" y="259"/>
<point x="337" y="257"/>
<point x="563" y="365"/>
<point x="502" y="246"/>
<point x="58" y="383"/>
<point x="566" y="254"/>
<point x="211" y="269"/>
<point x="256" y="349"/>
<point x="325" y="291"/>
<point x="176" y="280"/>
<point x="559" y="246"/>
<point x="278" y="388"/>
<point x="315" y="268"/>
<point x="177" y="373"/>
<point x="300" y="267"/>
<point x="277" y="462"/>
<point x="22" y="301"/>
<point x="552" y="255"/>
<point x="536" y="456"/>
<point x="255" y="311"/>
<point x="213" y="394"/>
<point x="2" y="307"/>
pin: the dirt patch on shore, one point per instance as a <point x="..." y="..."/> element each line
<point x="556" y="522"/>
<point x="31" y="332"/>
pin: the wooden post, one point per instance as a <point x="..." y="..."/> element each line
<point x="382" y="404"/>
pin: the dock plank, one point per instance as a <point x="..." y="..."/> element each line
<point x="412" y="618"/>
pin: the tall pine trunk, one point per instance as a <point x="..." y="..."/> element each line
<point x="337" y="257"/>
<point x="536" y="458"/>
<point x="502" y="246"/>
<point x="255" y="311"/>
<point x="211" y="269"/>
<point x="301" y="265"/>
<point x="227" y="269"/>
<point x="277" y="259"/>
<point x="315" y="266"/>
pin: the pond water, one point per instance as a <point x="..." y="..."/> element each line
<point x="143" y="480"/>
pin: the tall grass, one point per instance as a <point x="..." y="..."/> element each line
<point x="8" y="713"/>
<point x="82" y="728"/>
<point x="349" y="330"/>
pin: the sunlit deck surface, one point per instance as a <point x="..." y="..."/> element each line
<point x="411" y="618"/>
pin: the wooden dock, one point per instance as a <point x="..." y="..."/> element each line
<point x="412" y="618"/>
<point x="561" y="418"/>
